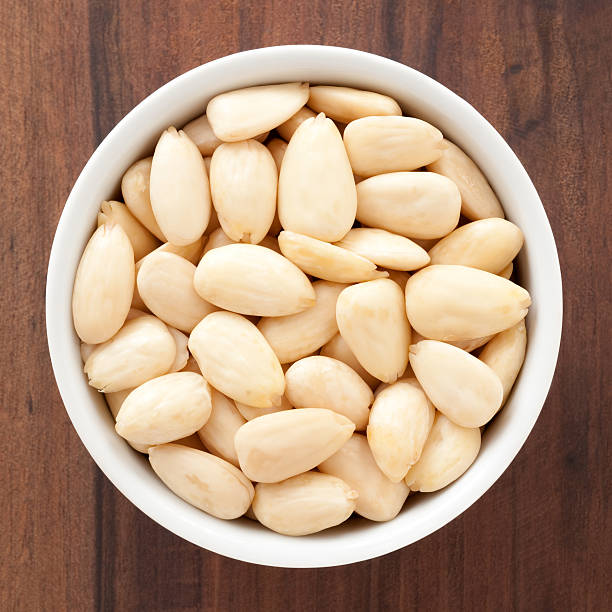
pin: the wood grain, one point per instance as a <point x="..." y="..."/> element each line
<point x="539" y="70"/>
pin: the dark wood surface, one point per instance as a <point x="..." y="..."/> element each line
<point x="540" y="71"/>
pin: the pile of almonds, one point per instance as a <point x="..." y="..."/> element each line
<point x="262" y="296"/>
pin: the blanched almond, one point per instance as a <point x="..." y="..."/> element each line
<point x="180" y="193"/>
<point x="346" y="104"/>
<point x="323" y="382"/>
<point x="304" y="504"/>
<point x="250" y="412"/>
<point x="372" y="320"/>
<point x="115" y="400"/>
<point x="447" y="454"/>
<point x="141" y="350"/>
<point x="245" y="113"/>
<point x="218" y="432"/>
<point x="252" y="280"/>
<point x="460" y="303"/>
<point x="182" y="354"/>
<point x="337" y="348"/>
<point x="165" y="409"/>
<point x="165" y="284"/>
<point x="142" y="240"/>
<point x="390" y="144"/>
<point x="86" y="350"/>
<point x="326" y="261"/>
<point x="399" y="424"/>
<point x="137" y="197"/>
<point x="277" y="148"/>
<point x="235" y="358"/>
<point x="413" y="204"/>
<point x="191" y="252"/>
<point x="379" y="498"/>
<point x="507" y="271"/>
<point x="243" y="182"/>
<point x="104" y="284"/>
<point x="316" y="190"/>
<point x="478" y="200"/>
<point x="298" y="335"/>
<point x="459" y="385"/>
<point x="468" y="345"/>
<point x="385" y="249"/>
<point x="287" y="129"/>
<point x="277" y="446"/>
<point x="488" y="244"/>
<point x="203" y="480"/>
<point x="217" y="239"/>
<point x="505" y="355"/>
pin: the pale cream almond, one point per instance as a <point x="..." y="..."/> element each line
<point x="449" y="451"/>
<point x="376" y="145"/>
<point x="103" y="285"/>
<point x="478" y="200"/>
<point x="316" y="189"/>
<point x="323" y="382"/>
<point x="400" y="421"/>
<point x="165" y="285"/>
<point x="86" y="350"/>
<point x="385" y="249"/>
<point x="459" y="303"/>
<point x="246" y="113"/>
<point x="346" y="104"/>
<point x="217" y="239"/>
<point x="251" y="412"/>
<point x="304" y="504"/>
<point x="191" y="252"/>
<point x="235" y="358"/>
<point x="337" y="348"/>
<point x="287" y="129"/>
<point x="414" y="204"/>
<point x="507" y="271"/>
<point x="299" y="335"/>
<point x="243" y="183"/>
<point x="203" y="480"/>
<point x="379" y="498"/>
<point x="277" y="148"/>
<point x="115" y="401"/>
<point x="141" y="350"/>
<point x="180" y="193"/>
<point x="165" y="409"/>
<point x="466" y="345"/>
<point x="252" y="280"/>
<point x="277" y="446"/>
<point x="372" y="320"/>
<point x="182" y="354"/>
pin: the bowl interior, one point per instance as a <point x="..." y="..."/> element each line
<point x="185" y="98"/>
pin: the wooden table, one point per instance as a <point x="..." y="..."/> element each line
<point x="540" y="71"/>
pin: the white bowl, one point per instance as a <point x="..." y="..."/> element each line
<point x="185" y="98"/>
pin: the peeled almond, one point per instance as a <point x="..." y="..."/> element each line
<point x="142" y="240"/>
<point x="379" y="498"/>
<point x="316" y="190"/>
<point x="390" y="144"/>
<point x="478" y="200"/>
<point x="488" y="244"/>
<point x="246" y="113"/>
<point x="191" y="252"/>
<point x="467" y="345"/>
<point x="447" y="454"/>
<point x="164" y="409"/>
<point x="505" y="354"/>
<point x="325" y="260"/>
<point x="337" y="348"/>
<point x="277" y="446"/>
<point x="298" y="335"/>
<point x="304" y="504"/>
<point x="165" y="284"/>
<point x="277" y="148"/>
<point x="252" y="280"/>
<point x="182" y="354"/>
<point x="104" y="284"/>
<point x="200" y="132"/>
<point x="385" y="249"/>
<point x="217" y="239"/>
<point x="323" y="382"/>
<point x="251" y="412"/>
<point x="141" y="350"/>
<point x="459" y="385"/>
<point x="243" y="182"/>
<point x="287" y="129"/>
<point x="400" y="421"/>
<point x="507" y="271"/>
<point x="346" y="104"/>
<point x="115" y="401"/>
<point x="203" y="480"/>
<point x="137" y="197"/>
<point x="460" y="303"/>
<point x="86" y="350"/>
<point x="414" y="204"/>
<point x="218" y="432"/>
<point x="180" y="193"/>
<point x="235" y="358"/>
<point x="372" y="320"/>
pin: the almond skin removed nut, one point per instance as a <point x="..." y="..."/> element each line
<point x="250" y="412"/>
<point x="337" y="348"/>
<point x="203" y="480"/>
<point x="277" y="446"/>
<point x="287" y="129"/>
<point x="103" y="285"/>
<point x="191" y="252"/>
<point x="304" y="504"/>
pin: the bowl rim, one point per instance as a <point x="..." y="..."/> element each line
<point x="253" y="552"/>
